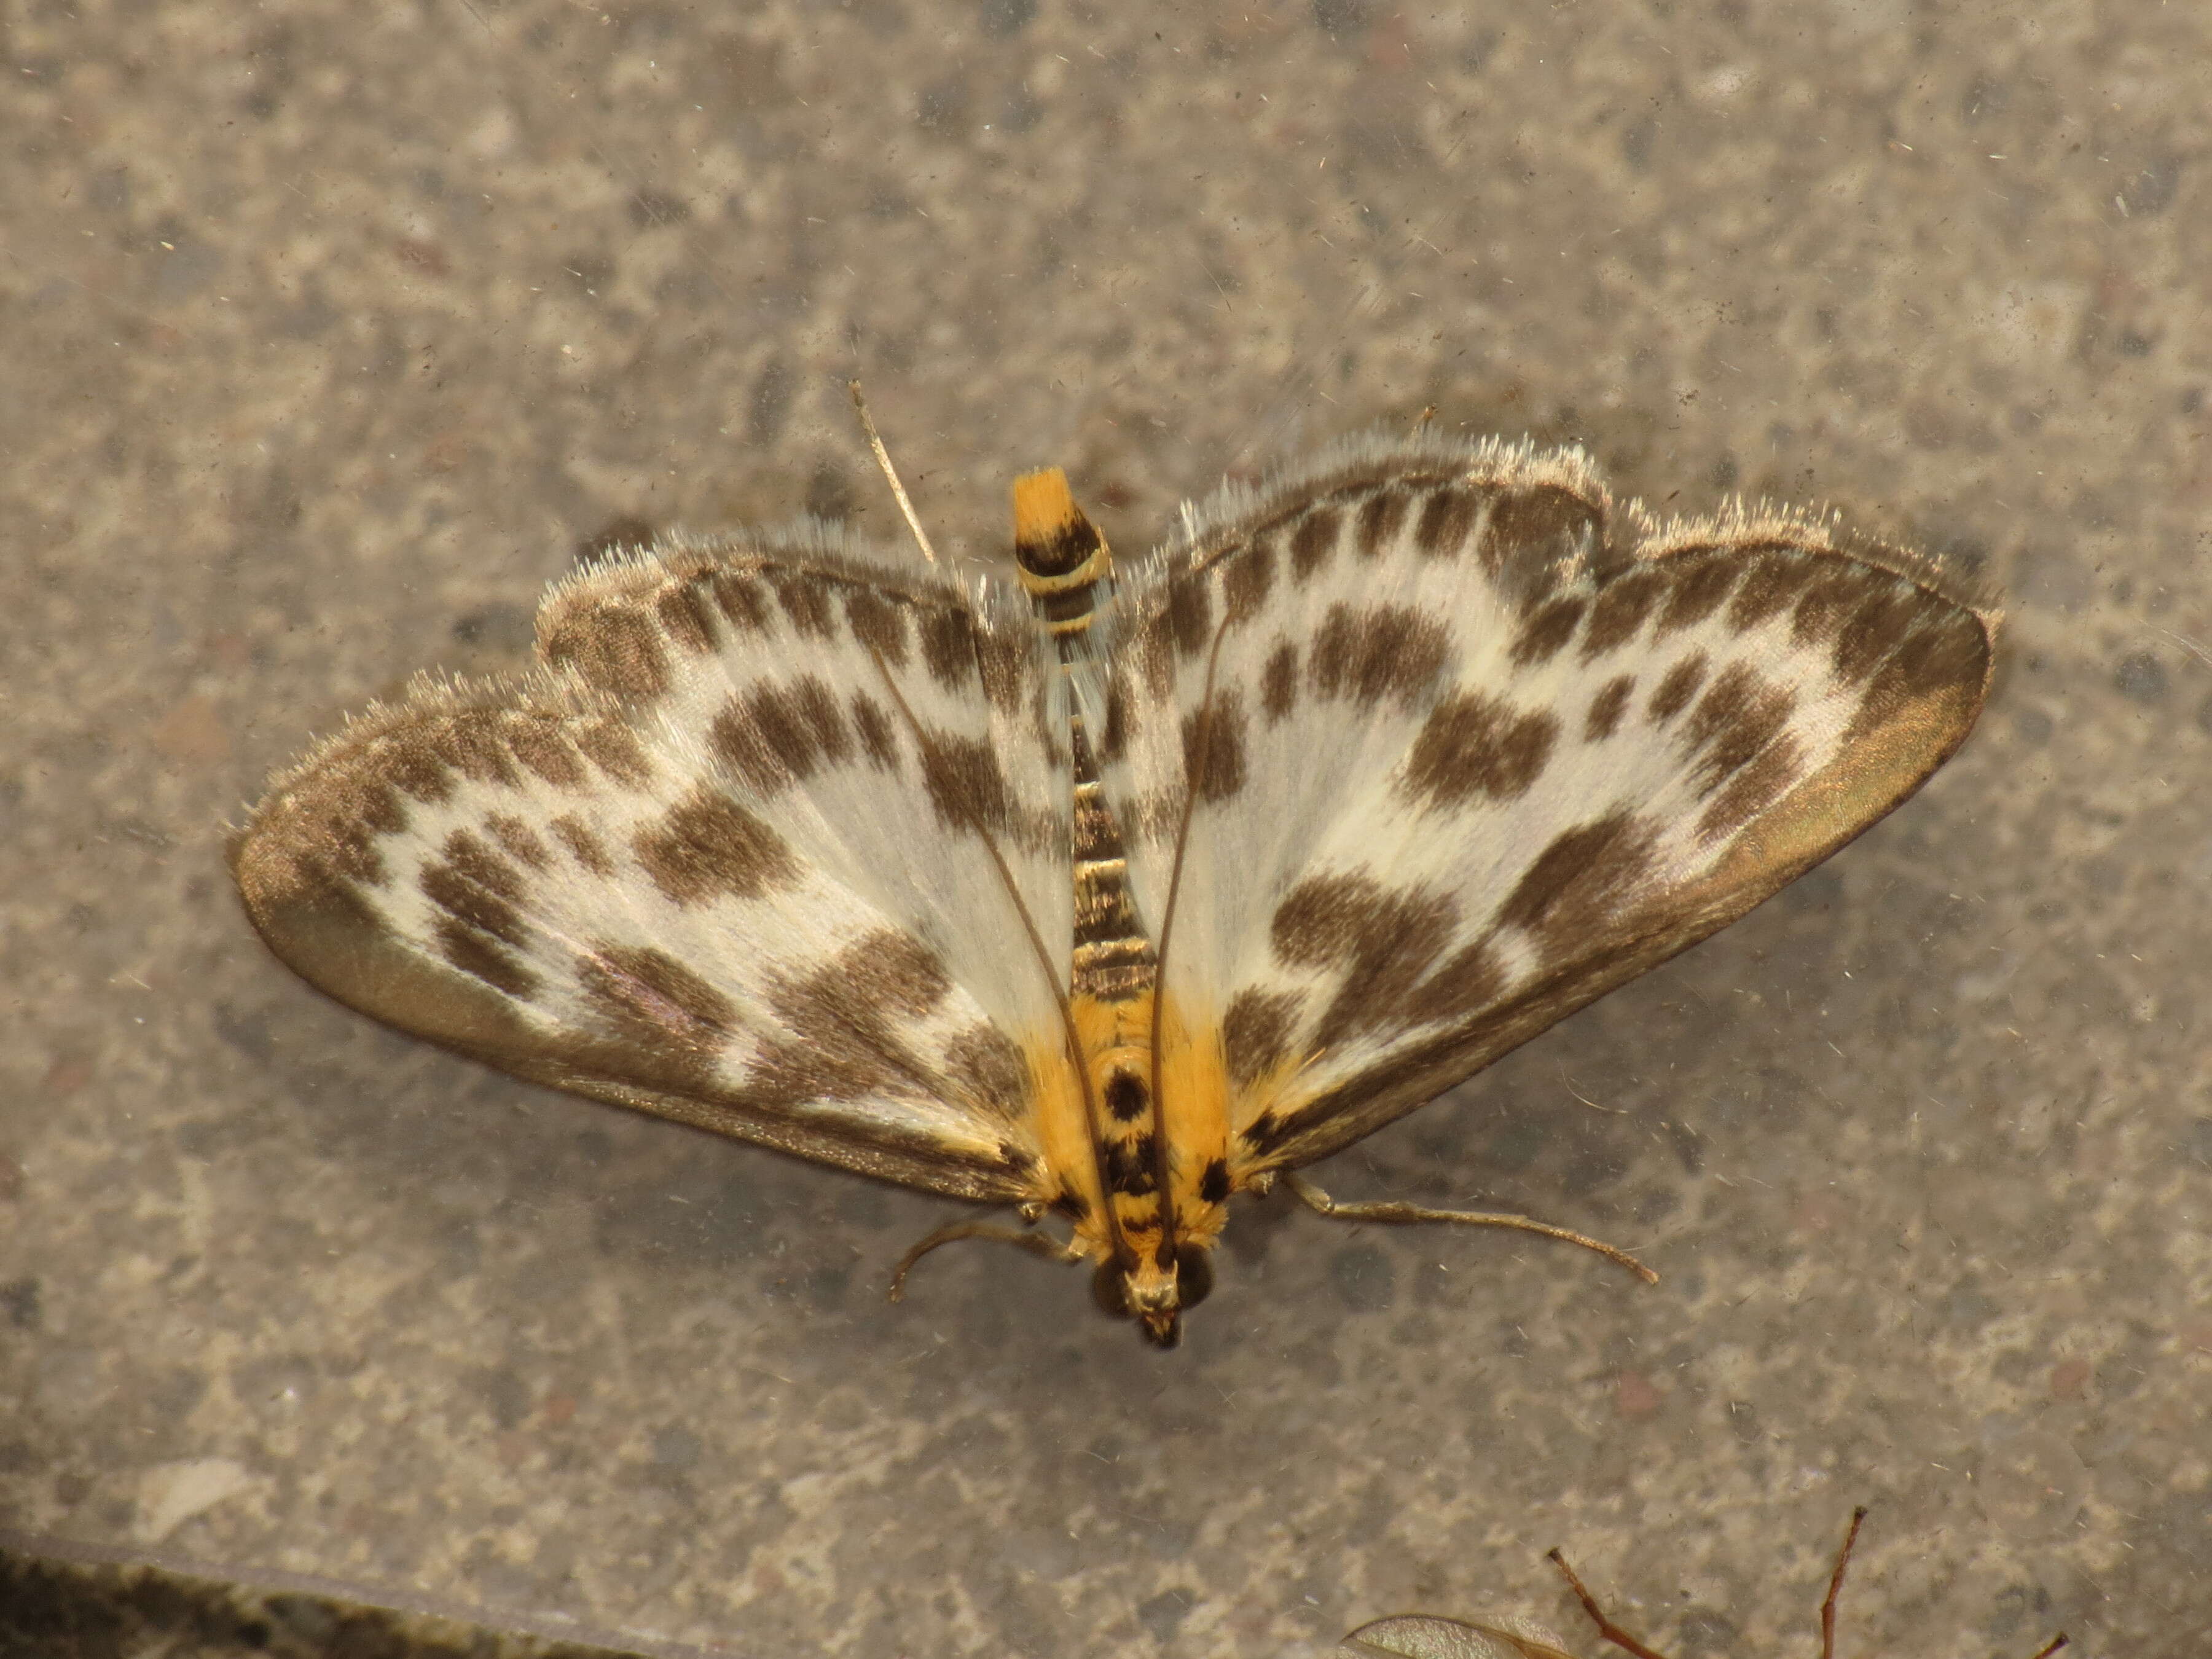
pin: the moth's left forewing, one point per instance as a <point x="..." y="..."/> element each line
<point x="1426" y="749"/>
<point x="775" y="842"/>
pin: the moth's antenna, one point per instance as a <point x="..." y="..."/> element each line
<point x="890" y="472"/>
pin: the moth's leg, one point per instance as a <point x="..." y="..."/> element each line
<point x="1321" y="1204"/>
<point x="1836" y="1584"/>
<point x="1606" y="1628"/>
<point x="1036" y="1244"/>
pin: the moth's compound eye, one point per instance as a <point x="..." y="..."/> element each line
<point x="1109" y="1289"/>
<point x="1193" y="1273"/>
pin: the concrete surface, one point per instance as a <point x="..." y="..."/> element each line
<point x="330" y="333"/>
<point x="86" y="1605"/>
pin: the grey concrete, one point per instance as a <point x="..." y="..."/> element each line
<point x="330" y="333"/>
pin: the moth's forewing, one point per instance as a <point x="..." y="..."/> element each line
<point x="1426" y="746"/>
<point x="719" y="860"/>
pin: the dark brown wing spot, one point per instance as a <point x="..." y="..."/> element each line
<point x="1680" y="686"/>
<point x="583" y="845"/>
<point x="1151" y="653"/>
<point x="473" y="743"/>
<point x="1622" y="605"/>
<point x="1376" y="527"/>
<point x="1247" y="577"/>
<point x="775" y="736"/>
<point x="1874" y="629"/>
<point x="966" y="784"/>
<point x="898" y="971"/>
<point x="709" y="847"/>
<point x="539" y="746"/>
<point x="1313" y="542"/>
<point x="1825" y="601"/>
<point x="1545" y="526"/>
<point x="1947" y="651"/>
<point x="1701" y="584"/>
<point x="1114" y="742"/>
<point x="611" y="649"/>
<point x="1255" y="1032"/>
<point x="841" y="1045"/>
<point x="743" y="600"/>
<point x="805" y="599"/>
<point x="612" y="746"/>
<point x="1386" y="650"/>
<point x="477" y="888"/>
<point x="1753" y="789"/>
<point x="518" y="841"/>
<point x="1605" y="708"/>
<point x="948" y="647"/>
<point x="352" y="810"/>
<point x="873" y="726"/>
<point x="1465" y="983"/>
<point x="412" y="767"/>
<point x="1278" y="681"/>
<point x="1740" y="714"/>
<point x="1380" y="940"/>
<point x="1472" y="744"/>
<point x="473" y="954"/>
<point x="685" y="618"/>
<point x="656" y="1003"/>
<point x="1447" y="521"/>
<point x="1772" y="579"/>
<point x="480" y="893"/>
<point x="1190" y="615"/>
<point x="1004" y="658"/>
<point x="879" y="623"/>
<point x="1580" y="882"/>
<point x="1545" y="634"/>
<point x="1213" y="746"/>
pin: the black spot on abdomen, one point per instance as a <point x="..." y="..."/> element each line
<point x="1127" y="1097"/>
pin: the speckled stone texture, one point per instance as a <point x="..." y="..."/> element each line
<point x="330" y="333"/>
<point x="91" y="1609"/>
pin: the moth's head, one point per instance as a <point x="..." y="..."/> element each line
<point x="1152" y="1294"/>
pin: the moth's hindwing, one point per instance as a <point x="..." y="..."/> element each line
<point x="775" y="842"/>
<point x="1423" y="749"/>
<point x="1423" y="1636"/>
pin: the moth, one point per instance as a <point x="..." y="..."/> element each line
<point x="1422" y="1635"/>
<point x="1107" y="890"/>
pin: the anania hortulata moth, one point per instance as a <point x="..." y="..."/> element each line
<point x="1113" y="890"/>
<point x="1422" y="1635"/>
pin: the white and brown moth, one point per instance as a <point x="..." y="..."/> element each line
<point x="1107" y="890"/>
<point x="1423" y="1636"/>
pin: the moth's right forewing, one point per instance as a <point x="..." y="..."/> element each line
<point x="1425" y="748"/>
